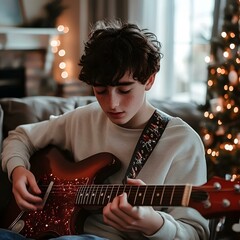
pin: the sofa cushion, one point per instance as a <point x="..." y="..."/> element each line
<point x="19" y="111"/>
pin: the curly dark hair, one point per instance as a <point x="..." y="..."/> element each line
<point x="114" y="48"/>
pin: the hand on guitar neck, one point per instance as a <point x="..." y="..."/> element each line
<point x="125" y="217"/>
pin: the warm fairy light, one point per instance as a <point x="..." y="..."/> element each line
<point x="209" y="151"/>
<point x="211" y="116"/>
<point x="61" y="52"/>
<point x="238" y="60"/>
<point x="232" y="35"/>
<point x="219" y="70"/>
<point x="218" y="108"/>
<point x="223" y="34"/>
<point x="228" y="147"/>
<point x="229" y="106"/>
<point x="62" y="65"/>
<point x="229" y="136"/>
<point x="207" y="136"/>
<point x="225" y="87"/>
<point x="64" y="74"/>
<point x="236" y="141"/>
<point x="210" y="82"/>
<point x="206" y="114"/>
<point x="232" y="46"/>
<point x="219" y="122"/>
<point x="235" y="110"/>
<point x="55" y="43"/>
<point x="226" y="96"/>
<point x="60" y="28"/>
<point x="226" y="54"/>
<point x="231" y="88"/>
<point x="215" y="153"/>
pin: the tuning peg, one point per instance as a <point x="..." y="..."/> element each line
<point x="226" y="203"/>
<point x="217" y="186"/>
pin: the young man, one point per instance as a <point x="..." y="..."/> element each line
<point x="120" y="63"/>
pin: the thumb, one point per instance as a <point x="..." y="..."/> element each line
<point x="33" y="186"/>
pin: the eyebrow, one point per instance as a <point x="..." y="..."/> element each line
<point x="115" y="85"/>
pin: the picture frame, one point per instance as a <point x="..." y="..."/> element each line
<point x="11" y="14"/>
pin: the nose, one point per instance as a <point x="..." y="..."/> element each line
<point x="113" y="100"/>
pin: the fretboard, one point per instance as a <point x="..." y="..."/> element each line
<point x="144" y="195"/>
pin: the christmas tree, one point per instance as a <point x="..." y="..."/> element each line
<point x="221" y="127"/>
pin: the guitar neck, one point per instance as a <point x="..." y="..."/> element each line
<point x="144" y="195"/>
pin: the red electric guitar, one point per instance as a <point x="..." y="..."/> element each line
<point x="70" y="188"/>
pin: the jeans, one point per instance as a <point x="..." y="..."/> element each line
<point x="9" y="235"/>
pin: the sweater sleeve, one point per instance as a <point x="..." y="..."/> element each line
<point x="28" y="138"/>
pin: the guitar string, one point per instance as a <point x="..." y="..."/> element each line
<point x="94" y="189"/>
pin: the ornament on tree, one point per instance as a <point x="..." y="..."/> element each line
<point x="233" y="76"/>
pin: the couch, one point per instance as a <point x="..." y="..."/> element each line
<point x="16" y="111"/>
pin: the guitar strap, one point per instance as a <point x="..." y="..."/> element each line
<point x="146" y="143"/>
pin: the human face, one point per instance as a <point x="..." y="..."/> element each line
<point x="124" y="104"/>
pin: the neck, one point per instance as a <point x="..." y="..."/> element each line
<point x="141" y="118"/>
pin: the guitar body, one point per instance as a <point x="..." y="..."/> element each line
<point x="60" y="215"/>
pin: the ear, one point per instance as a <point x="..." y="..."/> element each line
<point x="150" y="82"/>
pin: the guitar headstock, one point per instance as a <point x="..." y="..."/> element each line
<point x="218" y="197"/>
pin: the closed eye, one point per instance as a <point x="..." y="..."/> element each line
<point x="124" y="91"/>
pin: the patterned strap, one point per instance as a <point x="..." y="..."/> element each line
<point x="146" y="143"/>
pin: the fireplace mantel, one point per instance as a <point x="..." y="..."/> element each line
<point x="16" y="43"/>
<point x="18" y="38"/>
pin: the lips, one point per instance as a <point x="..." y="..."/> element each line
<point x="115" y="115"/>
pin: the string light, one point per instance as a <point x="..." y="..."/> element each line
<point x="57" y="49"/>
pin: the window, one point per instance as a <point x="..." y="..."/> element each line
<point x="192" y="32"/>
<point x="184" y="28"/>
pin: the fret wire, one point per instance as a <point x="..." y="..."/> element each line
<point x="110" y="195"/>
<point x="84" y="195"/>
<point x="83" y="191"/>
<point x="172" y="195"/>
<point x="117" y="192"/>
<point x="99" y="195"/>
<point x="104" y="196"/>
<point x="143" y="199"/>
<point x="136" y="195"/>
<point x="92" y="194"/>
<point x="162" y="195"/>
